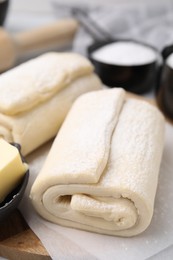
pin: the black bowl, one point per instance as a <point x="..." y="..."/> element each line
<point x="134" y="78"/>
<point x="3" y="10"/>
<point x="165" y="90"/>
<point x="13" y="199"/>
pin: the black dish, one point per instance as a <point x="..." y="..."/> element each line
<point x="165" y="93"/>
<point x="165" y="90"/>
<point x="13" y="199"/>
<point x="3" y="10"/>
<point x="134" y="78"/>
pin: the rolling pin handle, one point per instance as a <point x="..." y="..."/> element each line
<point x="56" y="35"/>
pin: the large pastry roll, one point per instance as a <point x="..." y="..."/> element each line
<point x="101" y="173"/>
<point x="36" y="96"/>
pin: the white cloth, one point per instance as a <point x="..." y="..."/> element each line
<point x="147" y="21"/>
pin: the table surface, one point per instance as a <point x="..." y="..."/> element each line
<point x="18" y="241"/>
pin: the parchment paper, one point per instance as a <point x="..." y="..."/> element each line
<point x="67" y="243"/>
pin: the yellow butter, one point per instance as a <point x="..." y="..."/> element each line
<point x="12" y="169"/>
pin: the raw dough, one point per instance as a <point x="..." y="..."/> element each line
<point x="102" y="171"/>
<point x="36" y="96"/>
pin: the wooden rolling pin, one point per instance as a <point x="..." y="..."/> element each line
<point x="55" y="35"/>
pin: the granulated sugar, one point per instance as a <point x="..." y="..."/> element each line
<point x="125" y="53"/>
<point x="169" y="61"/>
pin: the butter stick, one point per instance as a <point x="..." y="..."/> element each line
<point x="12" y="169"/>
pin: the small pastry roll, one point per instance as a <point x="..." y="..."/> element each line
<point x="36" y="96"/>
<point x="101" y="173"/>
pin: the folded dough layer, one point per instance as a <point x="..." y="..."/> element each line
<point x="101" y="173"/>
<point x="39" y="94"/>
<point x="37" y="80"/>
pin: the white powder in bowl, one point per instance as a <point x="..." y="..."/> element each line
<point x="125" y="53"/>
<point x="169" y="61"/>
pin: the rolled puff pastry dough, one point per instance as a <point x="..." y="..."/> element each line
<point x="36" y="96"/>
<point x="101" y="173"/>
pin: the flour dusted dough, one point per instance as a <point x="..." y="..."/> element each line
<point x="101" y="173"/>
<point x="36" y="96"/>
